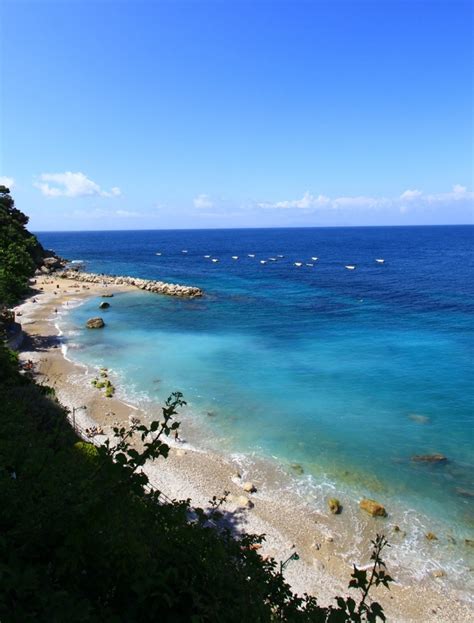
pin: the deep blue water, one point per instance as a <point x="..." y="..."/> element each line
<point x="317" y="365"/>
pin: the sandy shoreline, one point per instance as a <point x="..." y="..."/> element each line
<point x="189" y="473"/>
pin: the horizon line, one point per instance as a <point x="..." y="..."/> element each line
<point x="85" y="231"/>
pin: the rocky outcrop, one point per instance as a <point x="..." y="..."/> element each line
<point x="373" y="508"/>
<point x="49" y="263"/>
<point x="158" y="287"/>
<point x="52" y="262"/>
<point x="429" y="458"/>
<point x="95" y="323"/>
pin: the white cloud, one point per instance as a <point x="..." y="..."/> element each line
<point x="358" y="202"/>
<point x="307" y="201"/>
<point x="9" y="182"/>
<point x="70" y="184"/>
<point x="126" y="213"/>
<point x="202" y="202"/>
<point x="409" y="197"/>
<point x="458" y="193"/>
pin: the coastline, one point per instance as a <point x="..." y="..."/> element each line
<point x="199" y="475"/>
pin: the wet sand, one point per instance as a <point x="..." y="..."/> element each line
<point x="288" y="523"/>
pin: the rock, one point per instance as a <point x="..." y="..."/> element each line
<point x="334" y="506"/>
<point x="297" y="468"/>
<point x="158" y="287"/>
<point x="95" y="323"/>
<point x="104" y="305"/>
<point x="107" y="296"/>
<point x="249" y="487"/>
<point x="438" y="573"/>
<point x="469" y="542"/>
<point x="52" y="262"/>
<point x="373" y="508"/>
<point x="431" y="536"/>
<point x="465" y="493"/>
<point x="243" y="502"/>
<point x="429" y="458"/>
<point x="419" y="419"/>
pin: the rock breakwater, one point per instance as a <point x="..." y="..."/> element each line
<point x="158" y="287"/>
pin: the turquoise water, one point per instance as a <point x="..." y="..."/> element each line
<point x="314" y="365"/>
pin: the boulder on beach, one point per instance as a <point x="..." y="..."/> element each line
<point x="104" y="305"/>
<point x="244" y="502"/>
<point x="429" y="458"/>
<point x="95" y="323"/>
<point x="334" y="506"/>
<point x="373" y="508"/>
<point x="249" y="487"/>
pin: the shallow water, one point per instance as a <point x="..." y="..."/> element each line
<point x="320" y="366"/>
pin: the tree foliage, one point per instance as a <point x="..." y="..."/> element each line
<point x="20" y="251"/>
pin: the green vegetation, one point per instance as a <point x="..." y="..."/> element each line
<point x="104" y="384"/>
<point x="20" y="251"/>
<point x="83" y="536"/>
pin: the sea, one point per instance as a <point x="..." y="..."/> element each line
<point x="347" y="373"/>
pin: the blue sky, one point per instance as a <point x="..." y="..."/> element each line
<point x="150" y="114"/>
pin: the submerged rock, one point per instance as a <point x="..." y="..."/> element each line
<point x="419" y="419"/>
<point x="431" y="536"/>
<point x="373" y="508"/>
<point x="95" y="323"/>
<point x="429" y="458"/>
<point x="464" y="493"/>
<point x="334" y="506"/>
<point x="297" y="468"/>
